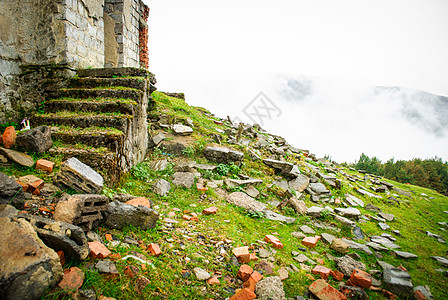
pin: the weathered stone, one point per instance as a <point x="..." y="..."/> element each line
<point x="282" y="166"/>
<point x="60" y="236"/>
<point x="251" y="191"/>
<point x="222" y="155"/>
<point x="372" y="207"/>
<point x="340" y="246"/>
<point x="183" y="179"/>
<point x="72" y="280"/>
<point x="231" y="183"/>
<point x="383" y="226"/>
<point x="201" y="274"/>
<point x="354" y="201"/>
<point x="324" y="291"/>
<point x="82" y="210"/>
<point x="357" y="232"/>
<point x="344" y="221"/>
<point x="36" y="140"/>
<point x="441" y="260"/>
<point x="405" y="255"/>
<point x="155" y="140"/>
<point x="172" y="147"/>
<point x="80" y="177"/>
<point x="346" y="265"/>
<point x="307" y="230"/>
<point x="28" y="267"/>
<point x="402" y="192"/>
<point x="242" y="200"/>
<point x="361" y="278"/>
<point x="271" y="215"/>
<point x="274" y="241"/>
<point x="17" y="157"/>
<point x="398" y="282"/>
<point x="315" y="211"/>
<point x="270" y="288"/>
<point x="11" y="192"/>
<point x="318" y="188"/>
<point x="327" y="237"/>
<point x="182" y="129"/>
<point x="358" y="247"/>
<point x="106" y="267"/>
<point x="120" y="214"/>
<point x="161" y="187"/>
<point x="300" y="183"/>
<point x="350" y="212"/>
<point x="159" y="165"/>
<point x="353" y="292"/>
<point x="388" y="217"/>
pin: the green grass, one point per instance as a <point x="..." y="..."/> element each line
<point x="89" y="130"/>
<point x="95" y="99"/>
<point x="72" y="114"/>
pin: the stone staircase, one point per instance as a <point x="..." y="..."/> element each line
<point x="101" y="119"/>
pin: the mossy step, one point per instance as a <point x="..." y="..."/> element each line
<point x="97" y="137"/>
<point x="102" y="160"/>
<point x="84" y="119"/>
<point x="139" y="83"/>
<point x="111" y="92"/>
<point x="116" y="72"/>
<point x="102" y="105"/>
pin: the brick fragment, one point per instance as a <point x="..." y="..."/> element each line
<point x="244" y="272"/>
<point x="98" y="250"/>
<point x="213" y="280"/>
<point x="61" y="257"/>
<point x="36" y="185"/>
<point x="210" y="211"/>
<point x="243" y="294"/>
<point x="154" y="249"/>
<point x="322" y="290"/>
<point x="9" y="137"/>
<point x="108" y="237"/>
<point x="253" y="257"/>
<point x="131" y="271"/>
<point x="72" y="279"/>
<point x="324" y="272"/>
<point x="242" y="254"/>
<point x="274" y="241"/>
<point x="337" y="275"/>
<point x="25" y="186"/>
<point x="45" y="165"/>
<point x="310" y="241"/>
<point x="361" y="279"/>
<point x="139" y="201"/>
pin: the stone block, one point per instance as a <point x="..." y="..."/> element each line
<point x="11" y="192"/>
<point x="120" y="214"/>
<point x="139" y="201"/>
<point x="80" y="177"/>
<point x="60" y="236"/>
<point x="36" y="140"/>
<point x="398" y="282"/>
<point x="154" y="249"/>
<point x="17" y="157"/>
<point x="81" y="210"/>
<point x="310" y="241"/>
<point x="223" y="155"/>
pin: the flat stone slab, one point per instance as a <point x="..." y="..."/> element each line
<point x="372" y="208"/>
<point x="353" y="201"/>
<point x="358" y="247"/>
<point x="327" y="237"/>
<point x="282" y="166"/>
<point x="182" y="129"/>
<point x="441" y="260"/>
<point x="405" y="255"/>
<point x="300" y="183"/>
<point x="388" y="217"/>
<point x="384" y="226"/>
<point x="17" y="157"/>
<point x="270" y="215"/>
<point x="307" y="230"/>
<point x="366" y="193"/>
<point x="319" y="188"/>
<point x="398" y="282"/>
<point x="238" y="182"/>
<point x="223" y="155"/>
<point x="161" y="187"/>
<point x="243" y="200"/>
<point x="349" y="212"/>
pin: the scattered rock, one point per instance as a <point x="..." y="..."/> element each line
<point x="120" y="214"/>
<point x="161" y="187"/>
<point x="327" y="237"/>
<point x="346" y="265"/>
<point x="270" y="215"/>
<point x="388" y="217"/>
<point x="315" y="211"/>
<point x="242" y="254"/>
<point x="44" y="165"/>
<point x="372" y="208"/>
<point x="107" y="267"/>
<point x="201" y="274"/>
<point x="274" y="241"/>
<point x="183" y="179"/>
<point x="405" y="255"/>
<point x="270" y="288"/>
<point x="398" y="281"/>
<point x="358" y="247"/>
<point x="17" y="157"/>
<point x="9" y="137"/>
<point x="311" y="241"/>
<point x="441" y="260"/>
<point x="383" y="226"/>
<point x="319" y="188"/>
<point x="353" y="292"/>
<point x="242" y="200"/>
<point x="339" y="246"/>
<point x="307" y="230"/>
<point x="158" y="165"/>
<point x="11" y="192"/>
<point x="244" y="272"/>
<point x="299" y="184"/>
<point x="324" y="291"/>
<point x="350" y="212"/>
<point x="222" y="155"/>
<point x="353" y="201"/>
<point x="361" y="278"/>
<point x="80" y="177"/>
<point x="182" y="129"/>
<point x="324" y="272"/>
<point x="36" y="140"/>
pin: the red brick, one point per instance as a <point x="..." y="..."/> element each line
<point x="44" y="165"/>
<point x="98" y="250"/>
<point x="310" y="277"/>
<point x="242" y="254"/>
<point x="171" y="214"/>
<point x="213" y="280"/>
<point x="250" y="284"/>
<point x="324" y="272"/>
<point x="253" y="257"/>
<point x="36" y="185"/>
<point x="25" y="186"/>
<point x="324" y="291"/>
<point x="274" y="241"/>
<point x="320" y="261"/>
<point x="108" y="237"/>
<point x="361" y="279"/>
<point x="139" y="201"/>
<point x="337" y="275"/>
<point x="114" y="256"/>
<point x="310" y="241"/>
<point x="186" y="217"/>
<point x="256" y="276"/>
<point x="243" y="294"/>
<point x="210" y="211"/>
<point x="244" y="272"/>
<point x="9" y="137"/>
<point x="72" y="279"/>
<point x="61" y="257"/>
<point x="131" y="271"/>
<point x="154" y="249"/>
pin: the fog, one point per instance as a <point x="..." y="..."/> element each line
<point x="325" y="68"/>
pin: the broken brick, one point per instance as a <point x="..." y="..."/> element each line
<point x="337" y="275"/>
<point x="243" y="294"/>
<point x="322" y="290"/>
<point x="131" y="271"/>
<point x="72" y="279"/>
<point x="253" y="257"/>
<point x="418" y="295"/>
<point x="310" y="241"/>
<point x="44" y="165"/>
<point x="139" y="201"/>
<point x="324" y="272"/>
<point x="108" y="237"/>
<point x="210" y="211"/>
<point x="25" y="186"/>
<point x="9" y="137"/>
<point x="98" y="250"/>
<point x="213" y="280"/>
<point x="310" y="277"/>
<point x="244" y="272"/>
<point x="36" y="185"/>
<point x="154" y="249"/>
<point x="361" y="279"/>
<point x="250" y="284"/>
<point x="186" y="217"/>
<point x="274" y="241"/>
<point x="61" y="257"/>
<point x="242" y="254"/>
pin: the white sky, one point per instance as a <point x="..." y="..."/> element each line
<point x="223" y="53"/>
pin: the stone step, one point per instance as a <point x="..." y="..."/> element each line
<point x="116" y="72"/>
<point x="83" y="120"/>
<point x="96" y="137"/>
<point x="120" y="93"/>
<point x="103" y="160"/>
<point x="90" y="82"/>
<point x="101" y="105"/>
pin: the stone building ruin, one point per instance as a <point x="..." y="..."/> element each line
<point x="41" y="41"/>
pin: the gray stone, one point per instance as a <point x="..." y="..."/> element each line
<point x="354" y="201"/>
<point x="183" y="179"/>
<point x="161" y="187"/>
<point x="7" y="211"/>
<point x="376" y="246"/>
<point x="28" y="267"/>
<point x="384" y="241"/>
<point x="315" y="211"/>
<point x="349" y="212"/>
<point x="222" y="155"/>
<point x="298" y="234"/>
<point x="159" y="165"/>
<point x="60" y="236"/>
<point x="283" y="274"/>
<point x="270" y="288"/>
<point x="384" y="226"/>
<point x="172" y="147"/>
<point x="298" y="205"/>
<point x="11" y="192"/>
<point x="87" y="294"/>
<point x="242" y="200"/>
<point x="366" y="193"/>
<point x="400" y="191"/>
<point x="307" y="230"/>
<point x="327" y="237"/>
<point x="346" y="265"/>
<point x="345" y="221"/>
<point x="318" y="188"/>
<point x="17" y="157"/>
<point x="384" y="265"/>
<point x="182" y="129"/>
<point x="106" y="267"/>
<point x="357" y="232"/>
<point x="252" y="192"/>
<point x="405" y="255"/>
<point x="264" y="253"/>
<point x="270" y="215"/>
<point x="425" y="290"/>
<point x="388" y="217"/>
<point x="441" y="260"/>
<point x="36" y="140"/>
<point x="120" y="214"/>
<point x="80" y="177"/>
<point x="231" y="183"/>
<point x="398" y="282"/>
<point x="201" y="274"/>
<point x="358" y="247"/>
<point x="156" y="140"/>
<point x="282" y="166"/>
<point x="300" y="183"/>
